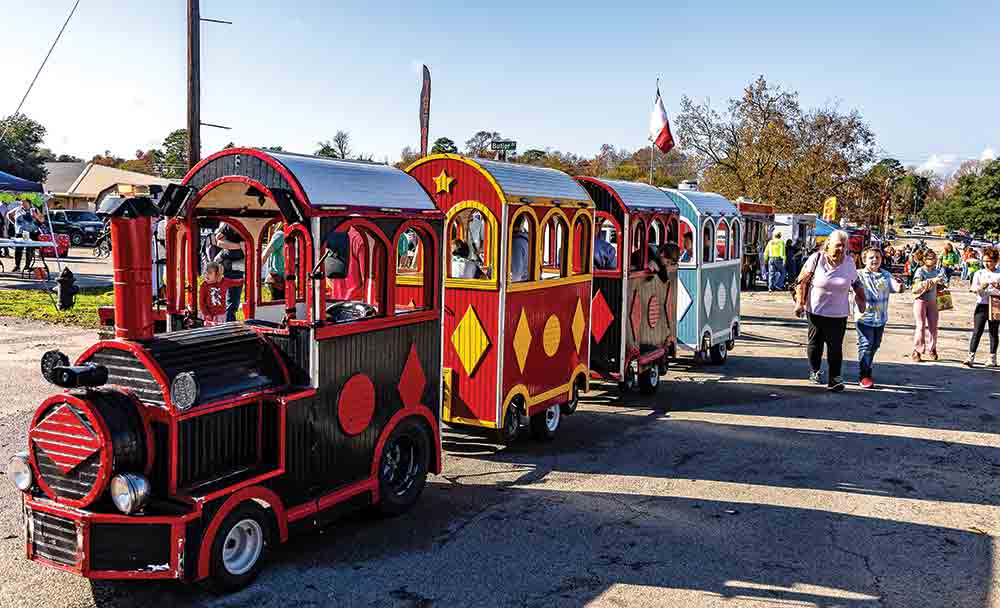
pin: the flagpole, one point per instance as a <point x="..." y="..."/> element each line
<point x="652" y="143"/>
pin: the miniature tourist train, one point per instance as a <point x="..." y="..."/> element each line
<point x="313" y="322"/>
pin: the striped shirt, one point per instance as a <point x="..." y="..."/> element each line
<point x="877" y="285"/>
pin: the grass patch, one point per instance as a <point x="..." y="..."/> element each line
<point x="39" y="305"/>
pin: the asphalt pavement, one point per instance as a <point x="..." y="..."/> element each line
<point x="739" y="485"/>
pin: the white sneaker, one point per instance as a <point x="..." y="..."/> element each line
<point x="970" y="360"/>
<point x="993" y="360"/>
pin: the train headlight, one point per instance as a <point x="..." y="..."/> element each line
<point x="19" y="471"/>
<point x="130" y="492"/>
<point x="184" y="390"/>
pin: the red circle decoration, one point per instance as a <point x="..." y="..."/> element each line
<point x="356" y="405"/>
<point x="653" y="311"/>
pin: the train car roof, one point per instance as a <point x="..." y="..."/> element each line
<point x="704" y="203"/>
<point x="637" y="196"/>
<point x="330" y="182"/>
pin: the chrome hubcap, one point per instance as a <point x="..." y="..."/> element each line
<point x="242" y="547"/>
<point x="552" y="418"/>
<point x="654" y="376"/>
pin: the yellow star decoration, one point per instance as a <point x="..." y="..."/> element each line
<point x="443" y="182"/>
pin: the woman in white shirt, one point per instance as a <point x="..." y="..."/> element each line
<point x="985" y="283"/>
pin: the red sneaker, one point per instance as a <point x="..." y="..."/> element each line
<point x="867" y="383"/>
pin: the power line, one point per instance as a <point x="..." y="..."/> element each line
<point x="44" y="61"/>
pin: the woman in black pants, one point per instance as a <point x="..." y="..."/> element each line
<point x="827" y="281"/>
<point x="985" y="283"/>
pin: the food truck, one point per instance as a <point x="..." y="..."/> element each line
<point x="758" y="223"/>
<point x="188" y="454"/>
<point x="633" y="314"/>
<point x="801" y="228"/>
<point x="708" y="291"/>
<point x="517" y="292"/>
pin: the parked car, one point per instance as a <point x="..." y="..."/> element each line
<point x="906" y="224"/>
<point x="83" y="227"/>
<point x="891" y="234"/>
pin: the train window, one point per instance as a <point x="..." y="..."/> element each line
<point x="708" y="241"/>
<point x="722" y="240"/>
<point x="414" y="276"/>
<point x="637" y="252"/>
<point x="657" y="234"/>
<point x="361" y="293"/>
<point x="672" y="231"/>
<point x="555" y="245"/>
<point x="687" y="243"/>
<point x="272" y="261"/>
<point x="734" y="241"/>
<point x="521" y="261"/>
<point x="605" y="245"/>
<point x="581" y="245"/>
<point x="469" y="241"/>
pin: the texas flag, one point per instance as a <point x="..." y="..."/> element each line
<point x="659" y="125"/>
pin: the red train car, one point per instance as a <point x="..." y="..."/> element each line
<point x="517" y="292"/>
<point x="634" y="313"/>
<point x="185" y="455"/>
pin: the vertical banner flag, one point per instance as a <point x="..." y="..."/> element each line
<point x="830" y="209"/>
<point x="425" y="111"/>
<point x="659" y="125"/>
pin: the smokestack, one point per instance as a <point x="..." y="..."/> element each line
<point x="132" y="260"/>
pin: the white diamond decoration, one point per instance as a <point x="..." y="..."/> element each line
<point x="734" y="291"/>
<point x="683" y="301"/>
<point x="722" y="297"/>
<point x="707" y="299"/>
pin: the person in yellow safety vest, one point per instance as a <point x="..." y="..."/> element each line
<point x="774" y="261"/>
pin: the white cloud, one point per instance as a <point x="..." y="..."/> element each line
<point x="942" y="164"/>
<point x="988" y="154"/>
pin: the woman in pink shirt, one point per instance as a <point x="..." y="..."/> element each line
<point x="830" y="279"/>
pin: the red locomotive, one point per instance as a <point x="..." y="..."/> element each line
<point x="517" y="292"/>
<point x="184" y="455"/>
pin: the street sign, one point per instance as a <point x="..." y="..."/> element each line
<point x="503" y="145"/>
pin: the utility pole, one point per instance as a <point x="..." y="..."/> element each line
<point x="194" y="83"/>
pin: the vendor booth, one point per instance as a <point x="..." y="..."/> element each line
<point x="758" y="222"/>
<point x="13" y="188"/>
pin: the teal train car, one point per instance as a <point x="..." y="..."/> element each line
<point x="708" y="292"/>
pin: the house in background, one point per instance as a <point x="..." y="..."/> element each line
<point x="80" y="185"/>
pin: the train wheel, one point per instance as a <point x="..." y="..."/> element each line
<point x="629" y="383"/>
<point x="402" y="469"/>
<point x="240" y="548"/>
<point x="720" y="353"/>
<point x="569" y="408"/>
<point x="649" y="381"/>
<point x="545" y="424"/>
<point x="511" y="423"/>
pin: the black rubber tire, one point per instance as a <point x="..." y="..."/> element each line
<point x="76" y="238"/>
<point x="508" y="433"/>
<point x="649" y="380"/>
<point x="730" y="344"/>
<point x="629" y="384"/>
<point x="220" y="579"/>
<point x="719" y="354"/>
<point x="539" y="424"/>
<point x="394" y="500"/>
<point x="569" y="408"/>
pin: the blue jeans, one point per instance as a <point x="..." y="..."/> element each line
<point x="775" y="273"/>
<point x="233" y="297"/>
<point x="869" y="339"/>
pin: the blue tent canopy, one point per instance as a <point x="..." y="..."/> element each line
<point x="824" y="228"/>
<point x="11" y="183"/>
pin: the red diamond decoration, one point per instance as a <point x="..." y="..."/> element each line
<point x="413" y="381"/>
<point x="601" y="317"/>
<point x="64" y="438"/>
<point x="635" y="316"/>
<point x="653" y="311"/>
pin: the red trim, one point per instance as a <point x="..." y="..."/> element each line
<point x="347" y="329"/>
<point x="332" y="499"/>
<point x="273" y="162"/>
<point x="651" y="357"/>
<point x="106" y="450"/>
<point x="228" y="403"/>
<point x="601" y="216"/>
<point x="140" y="353"/>
<point x="260" y="249"/>
<point x="256" y="492"/>
<point x="435" y="256"/>
<point x="281" y="362"/>
<point x="305" y="259"/>
<point x="420" y="410"/>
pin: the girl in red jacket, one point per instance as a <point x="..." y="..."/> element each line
<point x="212" y="294"/>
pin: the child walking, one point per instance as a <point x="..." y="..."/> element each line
<point x="985" y="283"/>
<point x="926" y="281"/>
<point x="212" y="293"/>
<point x="877" y="284"/>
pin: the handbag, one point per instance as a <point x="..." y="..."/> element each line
<point x="944" y="301"/>
<point x="994" y="308"/>
<point x="800" y="292"/>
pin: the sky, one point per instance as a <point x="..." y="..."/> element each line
<point x="569" y="76"/>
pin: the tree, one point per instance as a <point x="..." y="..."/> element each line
<point x="338" y="147"/>
<point x="767" y="147"/>
<point x="443" y="145"/>
<point x="107" y="159"/>
<point x="478" y="146"/>
<point x="174" y="163"/>
<point x="20" y="149"/>
<point x="272" y="148"/>
<point x="68" y="158"/>
<point x="407" y="157"/>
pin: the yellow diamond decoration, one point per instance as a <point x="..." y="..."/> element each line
<point x="579" y="324"/>
<point x="522" y="340"/>
<point x="551" y="335"/>
<point x="443" y="182"/>
<point x="470" y="341"/>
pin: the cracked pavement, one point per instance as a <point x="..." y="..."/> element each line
<point x="739" y="485"/>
